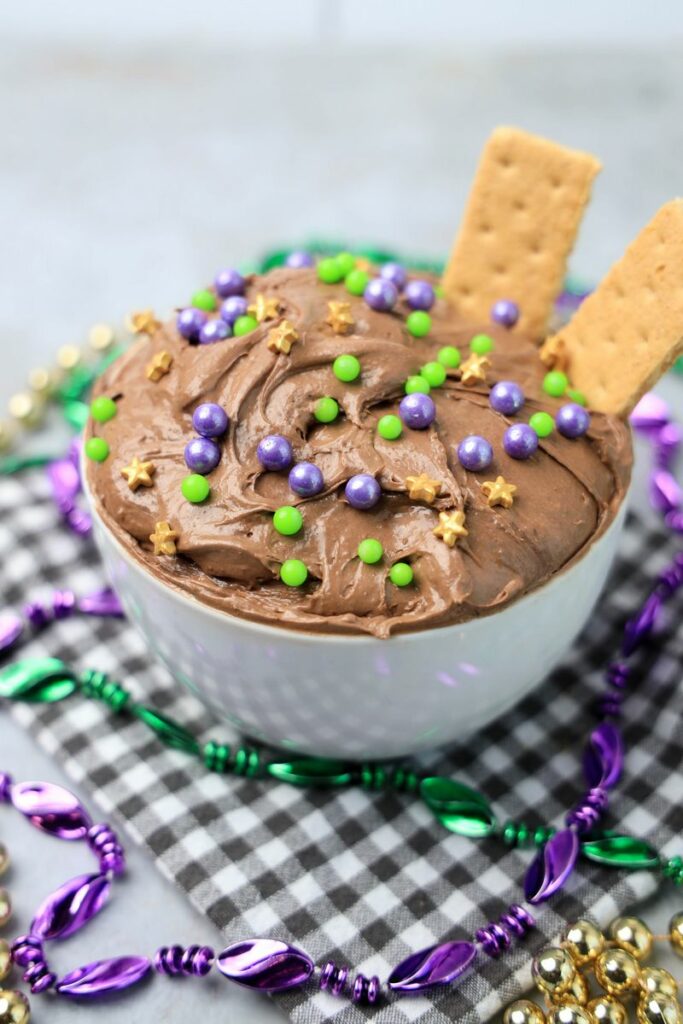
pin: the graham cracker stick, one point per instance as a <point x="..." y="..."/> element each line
<point x="519" y="226"/>
<point x="629" y="331"/>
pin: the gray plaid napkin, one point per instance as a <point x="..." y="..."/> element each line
<point x="361" y="878"/>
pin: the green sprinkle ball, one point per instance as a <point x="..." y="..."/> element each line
<point x="434" y="374"/>
<point x="576" y="396"/>
<point x="555" y="383"/>
<point x="449" y="355"/>
<point x="244" y="325"/>
<point x="346" y="262"/>
<point x="293" y="572"/>
<point x="204" y="299"/>
<point x="346" y="368"/>
<point x="97" y="449"/>
<point x="418" y="323"/>
<point x="195" y="488"/>
<point x="326" y="410"/>
<point x="389" y="427"/>
<point x="329" y="271"/>
<point x="287" y="520"/>
<point x="401" y="574"/>
<point x="356" y="281"/>
<point x="542" y="423"/>
<point x="370" y="551"/>
<point x="415" y="384"/>
<point x="103" y="409"/>
<point x="481" y="344"/>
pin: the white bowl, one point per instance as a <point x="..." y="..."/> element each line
<point x="359" y="697"/>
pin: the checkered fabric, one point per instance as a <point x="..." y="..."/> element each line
<point x="361" y="878"/>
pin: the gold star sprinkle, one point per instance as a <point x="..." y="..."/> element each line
<point x="264" y="308"/>
<point x="451" y="527"/>
<point x="339" y="318"/>
<point x="363" y="264"/>
<point x="139" y="473"/>
<point x="472" y="370"/>
<point x="498" y="492"/>
<point x="423" y="488"/>
<point x="164" y="539"/>
<point x="159" y="365"/>
<point x="142" y="322"/>
<point x="282" y="337"/>
<point x="554" y="354"/>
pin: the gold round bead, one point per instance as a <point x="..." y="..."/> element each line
<point x="5" y="959"/>
<point x="617" y="972"/>
<point x="68" y="357"/>
<point x="101" y="337"/>
<point x="7" y="433"/>
<point x="25" y="408"/>
<point x="5" y="907"/>
<point x="14" y="1007"/>
<point x="658" y="1009"/>
<point x="40" y="380"/>
<point x="657" y="980"/>
<point x="676" y="934"/>
<point x="4" y="859"/>
<point x="570" y="1014"/>
<point x="633" y="935"/>
<point x="607" y="1010"/>
<point x="576" y="993"/>
<point x="553" y="970"/>
<point x="524" y="1012"/>
<point x="584" y="941"/>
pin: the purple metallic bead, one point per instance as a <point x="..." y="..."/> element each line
<point x="210" y="420"/>
<point x="494" y="939"/>
<point x="6" y="783"/>
<point x="380" y="294"/>
<point x="506" y="397"/>
<point x="667" y="444"/>
<point x="306" y="479"/>
<point x="37" y="614"/>
<point x="65" y="483"/>
<point x="299" y="259"/>
<point x="63" y="603"/>
<point x="71" y="906"/>
<point x="11" y="628"/>
<point x="214" y="330"/>
<point x="51" y="808"/>
<point x="505" y="312"/>
<point x="520" y="441"/>
<point x="101" y="602"/>
<point x="39" y="977"/>
<point x="572" y="420"/>
<point x="233" y="307"/>
<point x="665" y="492"/>
<point x="333" y="978"/>
<point x="420" y="295"/>
<point x="395" y="273"/>
<point x="475" y="453"/>
<point x="437" y="965"/>
<point x="197" y="960"/>
<point x="552" y="866"/>
<point x="266" y="965"/>
<point x="362" y="491"/>
<point x="275" y="453"/>
<point x="417" y="411"/>
<point x="103" y="976"/>
<point x="674" y="521"/>
<point x="202" y="455"/>
<point x="27" y="950"/>
<point x="651" y="413"/>
<point x="190" y="322"/>
<point x="229" y="282"/>
<point x="80" y="521"/>
<point x="641" y="625"/>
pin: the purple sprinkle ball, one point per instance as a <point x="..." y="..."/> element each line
<point x="505" y="312"/>
<point x="362" y="491"/>
<point x="420" y="295"/>
<point x="475" y="453"/>
<point x="229" y="282"/>
<point x="275" y="453"/>
<point x="306" y="479"/>
<point x="520" y="441"/>
<point x="210" y="420"/>
<point x="572" y="420"/>
<point x="213" y="330"/>
<point x="190" y="322"/>
<point x="299" y="259"/>
<point x="417" y="411"/>
<point x="506" y="397"/>
<point x="234" y="306"/>
<point x="381" y="294"/>
<point x="202" y="455"/>
<point x="395" y="273"/>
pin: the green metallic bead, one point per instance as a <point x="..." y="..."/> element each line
<point x="76" y="414"/>
<point x="374" y="777"/>
<point x="246" y="762"/>
<point x="401" y="574"/>
<point x="326" y="410"/>
<point x="311" y="771"/>
<point x="418" y="323"/>
<point x="98" y="686"/>
<point x="346" y="262"/>
<point x="542" y="423"/>
<point x="204" y="299"/>
<point x="168" y="731"/>
<point x="449" y="355"/>
<point x="434" y="374"/>
<point x="370" y="551"/>
<point x="329" y="271"/>
<point x="389" y="427"/>
<point x="103" y="409"/>
<point x="96" y="449"/>
<point x="293" y="572"/>
<point x="287" y="520"/>
<point x="458" y="808"/>
<point x="417" y="384"/>
<point x="555" y="383"/>
<point x="37" y="680"/>
<point x="620" y="851"/>
<point x="356" y="281"/>
<point x="195" y="488"/>
<point x="576" y="396"/>
<point x="673" y="869"/>
<point x="481" y="344"/>
<point x="216" y="757"/>
<point x="346" y="368"/>
<point x="404" y="780"/>
<point x="244" y="325"/>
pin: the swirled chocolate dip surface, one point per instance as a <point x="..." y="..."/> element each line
<point x="229" y="554"/>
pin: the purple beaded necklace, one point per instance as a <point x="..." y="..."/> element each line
<point x="271" y="965"/>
